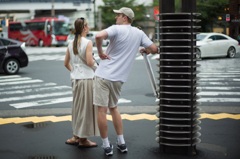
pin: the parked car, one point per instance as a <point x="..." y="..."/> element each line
<point x="12" y="55"/>
<point x="216" y="45"/>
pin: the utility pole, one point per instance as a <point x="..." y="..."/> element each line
<point x="53" y="11"/>
<point x="94" y="13"/>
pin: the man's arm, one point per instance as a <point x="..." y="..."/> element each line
<point x="152" y="49"/>
<point x="99" y="39"/>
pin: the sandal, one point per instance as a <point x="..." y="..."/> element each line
<point x="86" y="144"/>
<point x="73" y="141"/>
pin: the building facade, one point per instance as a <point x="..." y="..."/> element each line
<point x="69" y="10"/>
<point x="234" y="25"/>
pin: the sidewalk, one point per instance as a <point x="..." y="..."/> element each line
<point x="46" y="140"/>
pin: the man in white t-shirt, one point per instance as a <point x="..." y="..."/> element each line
<point x="113" y="71"/>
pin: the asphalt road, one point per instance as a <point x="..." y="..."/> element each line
<point x="45" y="84"/>
<point x="33" y="102"/>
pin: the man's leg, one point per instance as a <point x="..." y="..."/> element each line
<point x="102" y="121"/>
<point x="117" y="120"/>
<point x="103" y="128"/>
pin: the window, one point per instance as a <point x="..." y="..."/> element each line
<point x="212" y="37"/>
<point x="218" y="37"/>
<point x="35" y="26"/>
<point x="15" y="27"/>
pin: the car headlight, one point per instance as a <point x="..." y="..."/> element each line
<point x="23" y="46"/>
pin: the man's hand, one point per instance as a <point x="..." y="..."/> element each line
<point x="103" y="56"/>
<point x="145" y="51"/>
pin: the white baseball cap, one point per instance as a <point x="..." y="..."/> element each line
<point x="126" y="11"/>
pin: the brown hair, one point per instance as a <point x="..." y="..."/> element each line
<point x="79" y="26"/>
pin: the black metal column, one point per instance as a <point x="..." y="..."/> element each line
<point x="178" y="113"/>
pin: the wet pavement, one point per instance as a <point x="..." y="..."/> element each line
<point x="46" y="140"/>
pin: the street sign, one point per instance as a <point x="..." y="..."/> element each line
<point x="227" y="17"/>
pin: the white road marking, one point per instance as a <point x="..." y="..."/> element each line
<point x="219" y="73"/>
<point x="35" y="96"/>
<point x="27" y="86"/>
<point x="123" y="100"/>
<point x="10" y="76"/>
<point x="21" y="82"/>
<point x="218" y="79"/>
<point x="219" y="100"/>
<point x="218" y="88"/>
<point x="41" y="102"/>
<point x="218" y="93"/>
<point x="15" y="79"/>
<point x="23" y="91"/>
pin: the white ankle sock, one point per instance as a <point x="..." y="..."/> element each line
<point x="106" y="142"/>
<point x="120" y="139"/>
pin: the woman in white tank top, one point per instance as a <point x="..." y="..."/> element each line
<point x="79" y="61"/>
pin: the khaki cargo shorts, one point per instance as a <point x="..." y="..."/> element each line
<point x="106" y="93"/>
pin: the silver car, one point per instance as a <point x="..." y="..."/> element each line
<point x="216" y="45"/>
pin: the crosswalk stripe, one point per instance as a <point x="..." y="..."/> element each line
<point x="22" y="91"/>
<point x="219" y="79"/>
<point x="60" y="57"/>
<point x="218" y="73"/>
<point x="37" y="50"/>
<point x="52" y="101"/>
<point x="21" y="82"/>
<point x="15" y="79"/>
<point x="218" y="93"/>
<point x="27" y="86"/>
<point x="221" y="84"/>
<point x="218" y="88"/>
<point x="35" y="96"/>
<point x="41" y="102"/>
<point x="10" y="76"/>
<point x="233" y="100"/>
<point x="45" y="57"/>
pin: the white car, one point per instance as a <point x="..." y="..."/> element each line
<point x="216" y="45"/>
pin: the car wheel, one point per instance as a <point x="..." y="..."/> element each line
<point x="198" y="54"/>
<point x="231" y="52"/>
<point x="40" y="43"/>
<point x="11" y="66"/>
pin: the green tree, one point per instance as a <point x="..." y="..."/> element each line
<point x="210" y="10"/>
<point x="108" y="17"/>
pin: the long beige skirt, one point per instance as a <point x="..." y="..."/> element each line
<point x="84" y="113"/>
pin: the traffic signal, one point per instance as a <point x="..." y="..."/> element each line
<point x="220" y="18"/>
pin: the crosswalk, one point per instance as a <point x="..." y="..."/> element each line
<point x="221" y="88"/>
<point x="217" y="88"/>
<point x="24" y="92"/>
<point x="58" y="54"/>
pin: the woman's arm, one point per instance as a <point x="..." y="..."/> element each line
<point x="67" y="61"/>
<point x="89" y="54"/>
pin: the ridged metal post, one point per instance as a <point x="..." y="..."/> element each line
<point x="178" y="112"/>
